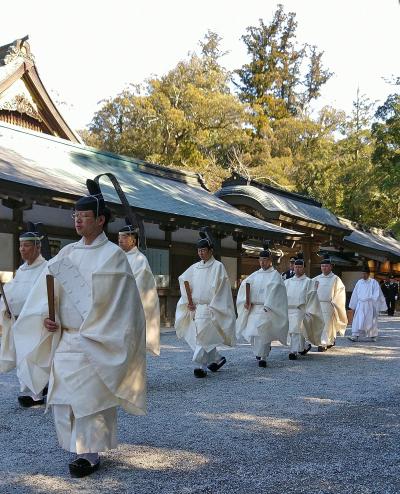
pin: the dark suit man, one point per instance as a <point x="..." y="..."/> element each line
<point x="290" y="272"/>
<point x="390" y="290"/>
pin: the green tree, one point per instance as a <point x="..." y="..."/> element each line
<point x="386" y="156"/>
<point x="386" y="132"/>
<point x="354" y="154"/>
<point x="275" y="83"/>
<point x="358" y="192"/>
<point x="278" y="84"/>
<point x="315" y="165"/>
<point x="187" y="118"/>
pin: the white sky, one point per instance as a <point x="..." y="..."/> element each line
<point x="89" y="50"/>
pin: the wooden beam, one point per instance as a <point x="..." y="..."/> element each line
<point x="15" y="76"/>
<point x="9" y="226"/>
<point x="50" y="112"/>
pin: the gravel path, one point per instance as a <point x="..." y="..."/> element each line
<point x="328" y="423"/>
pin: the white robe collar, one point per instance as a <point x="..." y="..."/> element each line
<point x="207" y="264"/>
<point x="264" y="271"/>
<point x="366" y="281"/>
<point x="99" y="241"/>
<point x="36" y="263"/>
<point x="133" y="251"/>
<point x="328" y="275"/>
<point x="302" y="277"/>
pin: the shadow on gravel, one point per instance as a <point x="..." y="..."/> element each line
<point x="327" y="423"/>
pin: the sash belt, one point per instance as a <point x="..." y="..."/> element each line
<point x="71" y="330"/>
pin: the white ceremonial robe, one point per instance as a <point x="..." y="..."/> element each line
<point x="366" y="300"/>
<point x="212" y="324"/>
<point x="305" y="315"/>
<point x="332" y="297"/>
<point x="267" y="319"/>
<point x="16" y="291"/>
<point x="97" y="360"/>
<point x="148" y="294"/>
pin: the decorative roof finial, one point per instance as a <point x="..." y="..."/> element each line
<point x="20" y="48"/>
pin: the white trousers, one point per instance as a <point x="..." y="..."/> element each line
<point x="90" y="434"/>
<point x="297" y="343"/>
<point x="261" y="347"/>
<point x="25" y="391"/>
<point x="329" y="333"/>
<point x="204" y="358"/>
<point x="365" y="321"/>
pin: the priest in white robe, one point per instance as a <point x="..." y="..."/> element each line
<point x="306" y="321"/>
<point x="367" y="301"/>
<point x="262" y="309"/>
<point x="205" y="314"/>
<point x="128" y="241"/>
<point x="332" y="296"/>
<point x="93" y="354"/>
<point x="16" y="292"/>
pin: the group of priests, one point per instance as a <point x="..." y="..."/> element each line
<point x="77" y="326"/>
<point x="292" y="309"/>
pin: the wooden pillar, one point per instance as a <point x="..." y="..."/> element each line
<point x="217" y="247"/>
<point x="167" y="308"/>
<point x="17" y="208"/>
<point x="239" y="239"/>
<point x="307" y="256"/>
<point x="18" y="217"/>
<point x="168" y="229"/>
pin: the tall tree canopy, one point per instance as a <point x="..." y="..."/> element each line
<point x="277" y="85"/>
<point x="282" y="77"/>
<point x="386" y="155"/>
<point x="191" y="118"/>
<point x="386" y="132"/>
<point x="187" y="118"/>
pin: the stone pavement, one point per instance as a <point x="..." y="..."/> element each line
<point x="328" y="423"/>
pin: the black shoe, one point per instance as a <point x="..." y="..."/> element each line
<point x="258" y="358"/>
<point x="322" y="349"/>
<point x="292" y="356"/>
<point x="28" y="401"/>
<point x="199" y="373"/>
<point x="217" y="365"/>
<point x="354" y="339"/>
<point x="81" y="467"/>
<point x="262" y="363"/>
<point x="333" y="344"/>
<point x="45" y="390"/>
<point x="306" y="350"/>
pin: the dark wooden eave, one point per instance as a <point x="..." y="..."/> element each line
<point x="24" y="196"/>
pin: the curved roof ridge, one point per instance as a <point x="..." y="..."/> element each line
<point x="237" y="179"/>
<point x="281" y="205"/>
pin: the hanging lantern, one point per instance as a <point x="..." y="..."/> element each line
<point x="385" y="267"/>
